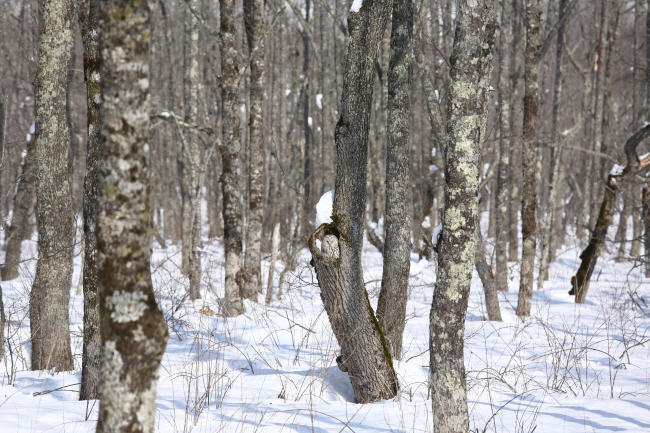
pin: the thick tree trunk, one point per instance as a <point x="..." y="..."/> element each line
<point x="133" y="329"/>
<point x="364" y="352"/>
<point x="503" y="181"/>
<point x="486" y="274"/>
<point x="230" y="149"/>
<point x="471" y="67"/>
<point x="616" y="178"/>
<point x="89" y="20"/>
<point x="529" y="159"/>
<point x="24" y="204"/>
<point x="255" y="29"/>
<point x="50" y="296"/>
<point x="391" y="308"/>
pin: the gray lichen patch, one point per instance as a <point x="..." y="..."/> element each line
<point x="126" y="306"/>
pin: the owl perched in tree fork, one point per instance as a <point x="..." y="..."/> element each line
<point x="330" y="246"/>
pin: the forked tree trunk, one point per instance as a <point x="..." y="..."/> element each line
<point x="255" y="29"/>
<point x="364" y="352"/>
<point x="529" y="160"/>
<point x="133" y="329"/>
<point x="230" y="148"/>
<point x="615" y="180"/>
<point x="89" y="20"/>
<point x="471" y="66"/>
<point x="503" y="182"/>
<point x="24" y="204"/>
<point x="50" y="296"/>
<point x="391" y="308"/>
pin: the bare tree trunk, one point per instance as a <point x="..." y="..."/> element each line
<point x="471" y="67"/>
<point x="230" y="149"/>
<point x="515" y="139"/>
<point x="275" y="245"/>
<point x="503" y="181"/>
<point x="191" y="154"/>
<point x="391" y="308"/>
<point x="133" y="329"/>
<point x="621" y="232"/>
<point x="89" y="20"/>
<point x="50" y="296"/>
<point x="616" y="179"/>
<point x="364" y="352"/>
<point x="646" y="221"/>
<point x="486" y="274"/>
<point x="529" y="159"/>
<point x="24" y="204"/>
<point x="551" y="211"/>
<point x="255" y="29"/>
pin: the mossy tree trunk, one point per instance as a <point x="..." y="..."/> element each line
<point x="50" y="296"/>
<point x="133" y="329"/>
<point x="615" y="180"/>
<point x="364" y="352"/>
<point x="471" y="67"/>
<point x="89" y="20"/>
<point x="529" y="159"/>
<point x="391" y="308"/>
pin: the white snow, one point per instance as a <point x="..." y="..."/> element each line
<point x="319" y="100"/>
<point x="617" y="170"/>
<point x="437" y="95"/>
<point x="567" y="368"/>
<point x="32" y="128"/>
<point x="436" y="234"/>
<point x="356" y="6"/>
<point x="309" y="121"/>
<point x="324" y="208"/>
<point x="426" y="223"/>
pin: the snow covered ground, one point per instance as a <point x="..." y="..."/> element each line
<point x="566" y="369"/>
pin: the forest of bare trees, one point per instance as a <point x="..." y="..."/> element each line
<point x="280" y="144"/>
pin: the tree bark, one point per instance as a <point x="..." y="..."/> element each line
<point x="24" y="204"/>
<point x="471" y="67"/>
<point x="646" y="223"/>
<point x="89" y="20"/>
<point x="391" y="308"/>
<point x="191" y="154"/>
<point x="133" y="329"/>
<point x="486" y="274"/>
<point x="503" y="181"/>
<point x="275" y="245"/>
<point x="589" y="256"/>
<point x="364" y="352"/>
<point x="529" y="159"/>
<point x="230" y="149"/>
<point x="50" y="296"/>
<point x="255" y="29"/>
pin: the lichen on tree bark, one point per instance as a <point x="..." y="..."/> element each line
<point x="467" y="113"/>
<point x="133" y="329"/>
